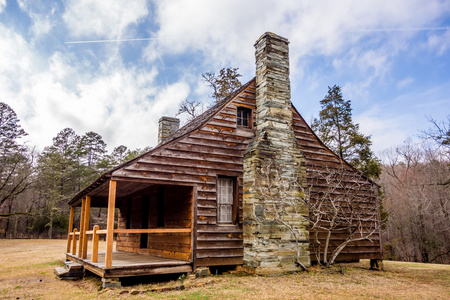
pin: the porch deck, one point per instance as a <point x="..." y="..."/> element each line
<point x="131" y="264"/>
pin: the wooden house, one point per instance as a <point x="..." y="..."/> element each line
<point x="182" y="205"/>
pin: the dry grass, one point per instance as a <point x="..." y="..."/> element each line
<point x="26" y="272"/>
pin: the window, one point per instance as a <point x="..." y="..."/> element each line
<point x="225" y="200"/>
<point x="244" y="116"/>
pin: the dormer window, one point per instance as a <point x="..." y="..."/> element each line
<point x="244" y="117"/>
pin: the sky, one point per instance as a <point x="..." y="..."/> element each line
<point x="115" y="67"/>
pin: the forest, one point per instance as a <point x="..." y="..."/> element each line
<point x="414" y="179"/>
<point x="35" y="186"/>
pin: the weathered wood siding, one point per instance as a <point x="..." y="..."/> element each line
<point x="196" y="159"/>
<point x="321" y="160"/>
<point x="178" y="214"/>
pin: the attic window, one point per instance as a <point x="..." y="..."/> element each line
<point x="244" y="116"/>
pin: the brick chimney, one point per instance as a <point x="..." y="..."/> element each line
<point x="167" y="126"/>
<point x="269" y="246"/>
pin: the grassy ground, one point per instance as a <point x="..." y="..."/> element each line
<point x="26" y="272"/>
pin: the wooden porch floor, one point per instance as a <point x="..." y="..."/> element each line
<point x="125" y="264"/>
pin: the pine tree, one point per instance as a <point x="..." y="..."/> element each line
<point x="15" y="162"/>
<point x="337" y="131"/>
<point x="92" y="148"/>
<point x="60" y="176"/>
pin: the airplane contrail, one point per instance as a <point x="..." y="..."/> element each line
<point x="360" y="30"/>
<point x="402" y="29"/>
<point x="110" y="41"/>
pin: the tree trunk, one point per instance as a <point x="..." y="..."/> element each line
<point x="50" y="227"/>
<point x="325" y="251"/>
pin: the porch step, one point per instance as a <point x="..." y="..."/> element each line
<point x="71" y="271"/>
<point x="72" y="266"/>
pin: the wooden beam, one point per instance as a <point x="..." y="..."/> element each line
<point x="94" y="256"/>
<point x="87" y="211"/>
<point x="194" y="226"/>
<point x="74" y="244"/>
<point x="155" y="230"/>
<point x="110" y="223"/>
<point x="80" y="246"/>
<point x="69" y="237"/>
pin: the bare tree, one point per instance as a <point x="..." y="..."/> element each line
<point x="439" y="132"/>
<point x="191" y="107"/>
<point x="418" y="201"/>
<point x="341" y="206"/>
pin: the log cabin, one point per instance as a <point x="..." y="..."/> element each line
<point x="192" y="201"/>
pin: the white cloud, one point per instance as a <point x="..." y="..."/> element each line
<point x="440" y="43"/>
<point x="123" y="104"/>
<point x="219" y="29"/>
<point x="17" y="65"/>
<point x="394" y="121"/>
<point x="41" y="25"/>
<point x="2" y="5"/>
<point x="405" y="82"/>
<point x="102" y="19"/>
<point x="42" y="15"/>
<point x="123" y="101"/>
<point x="386" y="129"/>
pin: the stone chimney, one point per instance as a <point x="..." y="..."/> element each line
<point x="167" y="126"/>
<point x="274" y="159"/>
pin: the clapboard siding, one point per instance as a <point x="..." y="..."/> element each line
<point x="321" y="161"/>
<point x="215" y="148"/>
<point x="195" y="159"/>
<point x="177" y="214"/>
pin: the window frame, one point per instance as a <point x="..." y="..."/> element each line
<point x="234" y="201"/>
<point x="240" y="119"/>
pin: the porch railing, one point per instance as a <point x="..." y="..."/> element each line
<point x="96" y="232"/>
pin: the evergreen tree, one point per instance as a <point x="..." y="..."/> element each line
<point x="60" y="175"/>
<point x="337" y="131"/>
<point x="10" y="130"/>
<point x="92" y="148"/>
<point x="15" y="162"/>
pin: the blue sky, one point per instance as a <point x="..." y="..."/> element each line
<point x="115" y="67"/>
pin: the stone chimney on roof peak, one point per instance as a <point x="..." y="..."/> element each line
<point x="167" y="126"/>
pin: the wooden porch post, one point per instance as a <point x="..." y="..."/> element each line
<point x="74" y="244"/>
<point x="110" y="223"/>
<point x="80" y="246"/>
<point x="87" y="210"/>
<point x="69" y="237"/>
<point x="94" y="256"/>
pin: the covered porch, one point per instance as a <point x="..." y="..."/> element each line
<point x="152" y="223"/>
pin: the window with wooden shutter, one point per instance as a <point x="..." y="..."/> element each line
<point x="225" y="200"/>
